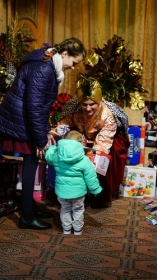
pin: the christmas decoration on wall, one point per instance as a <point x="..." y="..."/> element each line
<point x="13" y="47"/>
<point x="118" y="73"/>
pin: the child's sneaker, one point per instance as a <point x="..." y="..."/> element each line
<point x="78" y="232"/>
<point x="66" y="231"/>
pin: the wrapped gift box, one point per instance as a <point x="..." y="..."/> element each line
<point x="138" y="182"/>
<point x="99" y="159"/>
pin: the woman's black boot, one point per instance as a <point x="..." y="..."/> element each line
<point x="29" y="221"/>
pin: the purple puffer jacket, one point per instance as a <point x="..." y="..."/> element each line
<point x="25" y="110"/>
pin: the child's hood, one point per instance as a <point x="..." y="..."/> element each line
<point x="70" y="151"/>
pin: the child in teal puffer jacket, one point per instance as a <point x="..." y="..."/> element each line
<point x="74" y="174"/>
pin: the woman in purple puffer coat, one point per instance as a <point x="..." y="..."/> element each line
<point x="24" y="114"/>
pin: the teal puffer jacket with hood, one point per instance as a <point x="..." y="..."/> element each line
<point x="74" y="171"/>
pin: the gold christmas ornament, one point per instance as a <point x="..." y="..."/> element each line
<point x="91" y="58"/>
<point x="136" y="101"/>
<point x="136" y="67"/>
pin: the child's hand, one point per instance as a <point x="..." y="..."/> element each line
<point x="40" y="152"/>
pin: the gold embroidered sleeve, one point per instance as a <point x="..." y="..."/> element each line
<point x="105" y="136"/>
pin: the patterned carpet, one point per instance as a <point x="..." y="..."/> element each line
<point x="117" y="244"/>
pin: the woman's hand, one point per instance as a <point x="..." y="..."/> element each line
<point x="40" y="152"/>
<point x="50" y="137"/>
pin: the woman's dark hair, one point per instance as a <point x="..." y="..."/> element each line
<point x="73" y="46"/>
